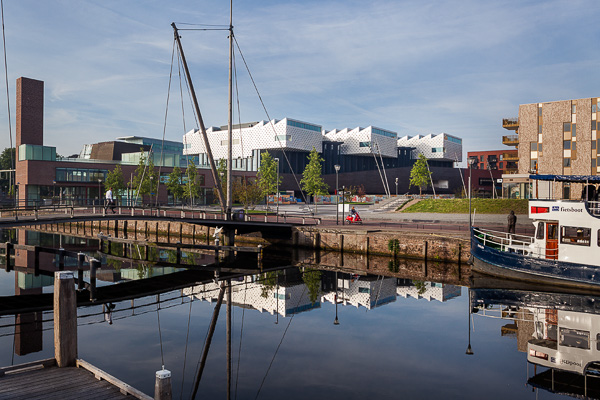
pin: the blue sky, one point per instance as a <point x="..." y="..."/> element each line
<point x="414" y="67"/>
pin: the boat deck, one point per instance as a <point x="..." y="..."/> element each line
<point x="44" y="380"/>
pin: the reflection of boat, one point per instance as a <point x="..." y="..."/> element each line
<point x="560" y="333"/>
<point x="563" y="251"/>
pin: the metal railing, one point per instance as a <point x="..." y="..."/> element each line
<point x="503" y="241"/>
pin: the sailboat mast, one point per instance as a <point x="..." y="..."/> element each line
<point x="211" y="160"/>
<point x="230" y="117"/>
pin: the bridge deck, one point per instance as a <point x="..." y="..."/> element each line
<point x="52" y="383"/>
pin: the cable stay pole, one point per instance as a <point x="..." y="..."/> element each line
<point x="211" y="331"/>
<point x="211" y="160"/>
<point x="230" y="118"/>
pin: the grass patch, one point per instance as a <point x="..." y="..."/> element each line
<point x="461" y="206"/>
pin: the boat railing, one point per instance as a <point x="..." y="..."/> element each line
<point x="503" y="241"/>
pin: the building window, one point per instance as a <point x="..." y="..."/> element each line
<point x="574" y="146"/>
<point x="593" y="145"/>
<point x="534" y="165"/>
<point x="480" y="158"/>
<point x="567" y="145"/>
<point x="594" y="108"/>
<point x="593" y="163"/>
<point x="539" y="128"/>
<point x="539" y="111"/>
<point x="567" y="127"/>
<point x="539" y="147"/>
<point x="534" y="146"/>
<point x="573" y="130"/>
<point x="302" y="125"/>
<point x="593" y="125"/>
<point x="364" y="290"/>
<point x="566" y="162"/>
<point x="501" y="165"/>
<point x="573" y="109"/>
<point x="501" y="157"/>
<point x="281" y="138"/>
<point x="364" y="144"/>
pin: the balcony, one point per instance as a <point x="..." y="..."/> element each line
<point x="511" y="124"/>
<point x="510" y="156"/>
<point x="492" y="159"/>
<point x="511" y="167"/>
<point x="510" y="140"/>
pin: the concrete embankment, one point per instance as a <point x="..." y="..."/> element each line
<point x="415" y="244"/>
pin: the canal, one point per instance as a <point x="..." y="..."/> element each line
<point x="303" y="332"/>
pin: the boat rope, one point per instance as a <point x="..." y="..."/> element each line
<point x="162" y="146"/>
<point x="378" y="292"/>
<point x="187" y="336"/>
<point x="279" y="345"/>
<point x="12" y="161"/>
<point x="237" y="372"/>
<point x="162" y="357"/>
<point x="270" y="121"/>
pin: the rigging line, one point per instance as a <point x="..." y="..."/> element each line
<point x="279" y="345"/>
<point x="12" y="161"/>
<point x="270" y="121"/>
<point x="162" y="147"/>
<point x="187" y="336"/>
<point x="144" y="172"/>
<point x="162" y="357"/>
<point x="387" y="183"/>
<point x="190" y="24"/>
<point x="202" y="29"/>
<point x="377" y="163"/>
<point x="237" y="372"/>
<point x="378" y="292"/>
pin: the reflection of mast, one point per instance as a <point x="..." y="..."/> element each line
<point x="469" y="350"/>
<point x="211" y="331"/>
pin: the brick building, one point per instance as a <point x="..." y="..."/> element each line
<point x="557" y="138"/>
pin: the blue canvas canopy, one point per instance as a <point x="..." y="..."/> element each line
<point x="567" y="178"/>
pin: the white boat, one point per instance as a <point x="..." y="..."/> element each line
<point x="564" y="250"/>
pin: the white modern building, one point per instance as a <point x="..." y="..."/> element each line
<point x="441" y="147"/>
<point x="429" y="291"/>
<point x="365" y="141"/>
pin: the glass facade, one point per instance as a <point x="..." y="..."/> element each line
<point x="314" y="128"/>
<point x="80" y="175"/>
<point x="384" y="133"/>
<point x="36" y="153"/>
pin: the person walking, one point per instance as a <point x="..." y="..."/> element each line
<point x="109" y="201"/>
<point x="512" y="221"/>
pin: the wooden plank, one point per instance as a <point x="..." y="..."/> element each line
<point x="111" y="379"/>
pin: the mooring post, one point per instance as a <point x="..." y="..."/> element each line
<point x="162" y="385"/>
<point x="65" y="319"/>
<point x="178" y="259"/>
<point x="217" y="250"/>
<point x="9" y="247"/>
<point x="94" y="265"/>
<point x="61" y="259"/>
<point x="259" y="256"/>
<point x="36" y="260"/>
<point x="80" y="260"/>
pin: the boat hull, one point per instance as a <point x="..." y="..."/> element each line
<point x="517" y="267"/>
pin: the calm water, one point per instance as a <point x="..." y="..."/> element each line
<point x="396" y="338"/>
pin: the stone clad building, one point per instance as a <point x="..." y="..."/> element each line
<point x="557" y="138"/>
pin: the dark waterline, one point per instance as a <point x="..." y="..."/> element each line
<point x="403" y="348"/>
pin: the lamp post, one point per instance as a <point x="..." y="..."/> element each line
<point x="277" y="190"/>
<point x="337" y="202"/>
<point x="396" y="187"/>
<point x="53" y="191"/>
<point x="99" y="193"/>
<point x="469" y="351"/>
<point x="336" y="321"/>
<point x="471" y="161"/>
<point x="343" y="205"/>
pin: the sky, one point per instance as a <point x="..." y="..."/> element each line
<point x="412" y="67"/>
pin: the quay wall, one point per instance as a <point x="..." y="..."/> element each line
<point x="405" y="244"/>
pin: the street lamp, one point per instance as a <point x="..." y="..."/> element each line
<point x="336" y="321"/>
<point x="277" y="190"/>
<point x="471" y="162"/>
<point x="337" y="201"/>
<point x="343" y="205"/>
<point x="99" y="192"/>
<point x="53" y="191"/>
<point x="469" y="351"/>
<point x="396" y="187"/>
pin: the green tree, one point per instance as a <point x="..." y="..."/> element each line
<point x="191" y="189"/>
<point x="267" y="175"/>
<point x="419" y="174"/>
<point x="7" y="163"/>
<point x="312" y="182"/>
<point x="145" y="178"/>
<point x="174" y="184"/>
<point x="222" y="172"/>
<point x="114" y="180"/>
<point x="247" y="193"/>
<point x="312" y="280"/>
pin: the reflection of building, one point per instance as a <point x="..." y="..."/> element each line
<point x="427" y="290"/>
<point x="366" y="291"/>
<point x="283" y="298"/>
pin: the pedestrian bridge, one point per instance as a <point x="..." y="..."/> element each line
<point x="271" y="225"/>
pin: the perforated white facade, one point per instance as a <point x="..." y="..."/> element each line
<point x="359" y="141"/>
<point x="434" y="147"/>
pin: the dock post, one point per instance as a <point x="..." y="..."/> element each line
<point x="178" y="256"/>
<point x="162" y="385"/>
<point x="61" y="259"/>
<point x="36" y="260"/>
<point x="260" y="255"/>
<point x="80" y="260"/>
<point x="65" y="319"/>
<point x="9" y="247"/>
<point x="94" y="265"/>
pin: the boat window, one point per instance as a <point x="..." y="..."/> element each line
<point x="575" y="235"/>
<point x="552" y="231"/>
<point x="574" y="338"/>
<point x="540" y="231"/>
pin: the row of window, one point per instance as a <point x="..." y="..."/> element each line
<point x="303" y="125"/>
<point x="384" y="133"/>
<point x="80" y="175"/>
<point x="453" y="139"/>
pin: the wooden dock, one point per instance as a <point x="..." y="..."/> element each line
<point x="44" y="380"/>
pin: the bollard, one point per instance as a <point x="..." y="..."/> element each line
<point x="80" y="260"/>
<point x="162" y="385"/>
<point x="9" y="247"/>
<point x="65" y="319"/>
<point x="61" y="259"/>
<point x="94" y="265"/>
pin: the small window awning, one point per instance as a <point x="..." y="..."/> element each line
<point x="567" y="178"/>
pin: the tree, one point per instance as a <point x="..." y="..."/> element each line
<point x="312" y="280"/>
<point x="174" y="184"/>
<point x="267" y="175"/>
<point x="145" y="178"/>
<point x="191" y="189"/>
<point x="222" y="172"/>
<point x="312" y="182"/>
<point x="7" y="161"/>
<point x="114" y="180"/>
<point x="419" y="174"/>
<point x="247" y="193"/>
